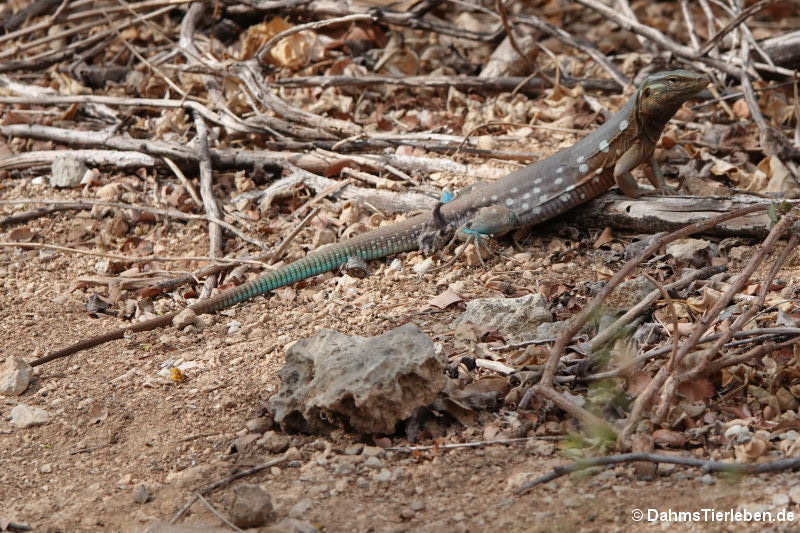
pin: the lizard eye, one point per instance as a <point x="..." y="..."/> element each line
<point x="647" y="91"/>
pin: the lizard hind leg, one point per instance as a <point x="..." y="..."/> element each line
<point x="490" y="221"/>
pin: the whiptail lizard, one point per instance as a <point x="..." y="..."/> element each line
<point x="528" y="196"/>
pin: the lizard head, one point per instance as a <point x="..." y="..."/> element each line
<point x="662" y="94"/>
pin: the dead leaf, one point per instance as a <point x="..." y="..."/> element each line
<point x="696" y="390"/>
<point x="97" y="414"/>
<point x="604" y="238"/>
<point x="21" y="234"/>
<point x="751" y="450"/>
<point x="669" y="438"/>
<point x="445" y="299"/>
<point x="740" y="108"/>
<point x="637" y="383"/>
<point x="490" y="431"/>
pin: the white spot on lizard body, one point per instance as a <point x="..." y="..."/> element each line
<point x="559" y="170"/>
<point x="528" y="195"/>
<point x="558" y="181"/>
<point x="514" y="190"/>
<point x="536" y="190"/>
<point x="537" y="181"/>
<point x="525" y="206"/>
<point x="623" y="125"/>
<point x="584" y="168"/>
<point x="494" y="197"/>
<point x="509" y="202"/>
<point x="603" y="145"/>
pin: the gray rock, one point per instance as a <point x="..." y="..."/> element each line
<point x="366" y="383"/>
<point x="166" y="527"/>
<point x="23" y="416"/>
<point x="384" y="476"/>
<point x="373" y="451"/>
<point x="301" y="508"/>
<point x="417" y="505"/>
<point x="259" y="424"/>
<point x="252" y="506"/>
<point x="15" y="376"/>
<point x="240" y="444"/>
<point x="695" y="252"/>
<point x="515" y="318"/>
<point x="707" y="479"/>
<point x="142" y="494"/>
<point x="738" y="434"/>
<point x="629" y="293"/>
<point x="550" y="330"/>
<point x="274" y="442"/>
<point x="354" y="449"/>
<point x="290" y="525"/>
<point x="373" y="462"/>
<point x="67" y="172"/>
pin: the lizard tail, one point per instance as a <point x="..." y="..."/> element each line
<point x="371" y="245"/>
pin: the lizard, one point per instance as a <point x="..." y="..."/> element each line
<point x="525" y="197"/>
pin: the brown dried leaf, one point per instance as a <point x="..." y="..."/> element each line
<point x="740" y="108"/>
<point x="669" y="438"/>
<point x="696" y="390"/>
<point x="604" y="238"/>
<point x="637" y="383"/>
<point x="750" y="451"/>
<point x="21" y="234"/>
<point x="445" y="299"/>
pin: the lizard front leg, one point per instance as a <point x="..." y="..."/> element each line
<point x="656" y="176"/>
<point x="622" y="171"/>
<point x="633" y="157"/>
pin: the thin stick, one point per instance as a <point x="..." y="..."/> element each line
<point x="741" y="17"/>
<point x="673" y="315"/>
<point x="473" y="444"/>
<point x="217" y="513"/>
<point x="745" y="317"/>
<point x="764" y="333"/>
<point x="707" y="466"/>
<point x="584" y="46"/>
<point x="704" y="323"/>
<point x="310" y="26"/>
<point x="608" y="333"/>
<point x="224" y="481"/>
<point x="128" y="259"/>
<point x="207" y="194"/>
<point x="173" y="213"/>
<point x="184" y="181"/>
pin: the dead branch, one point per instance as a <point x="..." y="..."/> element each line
<point x="654" y="214"/>
<point x="701" y="367"/>
<point x="706" y="465"/>
<point x="612" y="330"/>
<point x="530" y="85"/>
<point x="579" y="44"/>
<point x="762" y="335"/>
<point x="171" y="213"/>
<point x="659" y="381"/>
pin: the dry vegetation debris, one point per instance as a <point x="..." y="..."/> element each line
<point x="154" y="152"/>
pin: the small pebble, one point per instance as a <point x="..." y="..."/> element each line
<point x="141" y="494"/>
